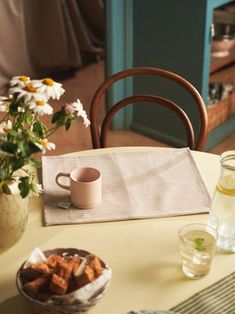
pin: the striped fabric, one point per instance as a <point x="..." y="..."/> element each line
<point x="135" y="186"/>
<point x="218" y="298"/>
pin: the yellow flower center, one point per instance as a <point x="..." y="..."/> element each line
<point x="48" y="81"/>
<point x="6" y="129"/>
<point x="40" y="103"/>
<point x="30" y="88"/>
<point x="43" y="142"/>
<point x="24" y="78"/>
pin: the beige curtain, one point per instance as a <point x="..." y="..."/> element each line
<point x="40" y="37"/>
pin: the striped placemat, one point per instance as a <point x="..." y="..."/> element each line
<point x="218" y="298"/>
<point x="135" y="186"/>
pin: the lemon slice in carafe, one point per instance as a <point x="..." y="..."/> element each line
<point x="227" y="185"/>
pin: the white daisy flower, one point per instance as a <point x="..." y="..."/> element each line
<point x="83" y="115"/>
<point x="40" y="107"/>
<point x="43" y="144"/>
<point x="4" y="104"/>
<point x="50" y="88"/>
<point x="20" y="81"/>
<point x="68" y="108"/>
<point x="36" y="189"/>
<point x="5" y="127"/>
<point x="77" y="105"/>
<point x="28" y="92"/>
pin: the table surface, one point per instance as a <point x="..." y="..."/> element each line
<point x="143" y="254"/>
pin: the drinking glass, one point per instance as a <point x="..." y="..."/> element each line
<point x="197" y="248"/>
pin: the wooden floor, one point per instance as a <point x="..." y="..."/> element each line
<point x="83" y="86"/>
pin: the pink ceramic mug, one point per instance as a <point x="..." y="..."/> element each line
<point x="85" y="186"/>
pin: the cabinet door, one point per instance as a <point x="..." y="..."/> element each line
<point x="174" y="35"/>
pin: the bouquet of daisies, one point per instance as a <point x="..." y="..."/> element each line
<point x="23" y="134"/>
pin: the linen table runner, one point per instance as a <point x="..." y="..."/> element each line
<point x="218" y="298"/>
<point x="135" y="185"/>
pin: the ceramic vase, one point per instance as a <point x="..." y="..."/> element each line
<point x="13" y="219"/>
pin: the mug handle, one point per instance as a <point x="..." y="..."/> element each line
<point x="62" y="174"/>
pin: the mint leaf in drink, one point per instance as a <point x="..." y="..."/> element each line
<point x="199" y="244"/>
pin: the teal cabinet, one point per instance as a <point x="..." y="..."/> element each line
<point x="174" y="35"/>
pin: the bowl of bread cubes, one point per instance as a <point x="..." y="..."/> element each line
<point x="63" y="280"/>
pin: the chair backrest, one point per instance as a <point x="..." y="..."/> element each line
<point x="99" y="134"/>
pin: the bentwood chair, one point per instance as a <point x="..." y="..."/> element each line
<point x="99" y="133"/>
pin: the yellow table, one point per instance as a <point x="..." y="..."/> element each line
<point x="143" y="254"/>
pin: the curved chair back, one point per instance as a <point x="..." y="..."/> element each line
<point x="99" y="134"/>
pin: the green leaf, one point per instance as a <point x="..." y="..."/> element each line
<point x="3" y="174"/>
<point x="24" y="186"/>
<point x="16" y="163"/>
<point x="199" y="244"/>
<point x="23" y="148"/>
<point x="56" y="116"/>
<point x="35" y="163"/>
<point x="61" y="121"/>
<point x="67" y="125"/>
<point x="33" y="148"/>
<point x="10" y="148"/>
<point x="29" y="118"/>
<point x="13" y="134"/>
<point x="28" y="148"/>
<point x="13" y="108"/>
<point x="59" y="118"/>
<point x="38" y="129"/>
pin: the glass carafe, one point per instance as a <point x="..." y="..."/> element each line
<point x="222" y="212"/>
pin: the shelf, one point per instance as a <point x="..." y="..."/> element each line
<point x="224" y="75"/>
<point x="219" y="62"/>
<point x="221" y="111"/>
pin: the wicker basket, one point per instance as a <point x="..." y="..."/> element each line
<point x="52" y="308"/>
